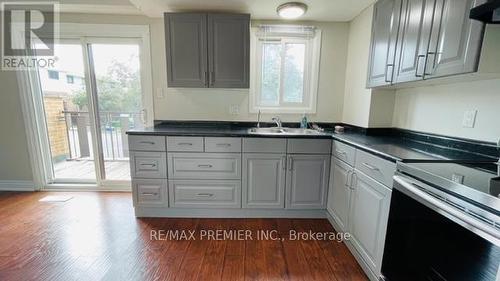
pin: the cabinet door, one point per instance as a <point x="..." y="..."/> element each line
<point x="307" y="181"/>
<point x="413" y="40"/>
<point x="229" y="50"/>
<point x="264" y="180"/>
<point x="186" y="45"/>
<point x="369" y="212"/>
<point x="386" y="15"/>
<point x="455" y="39"/>
<point x="339" y="193"/>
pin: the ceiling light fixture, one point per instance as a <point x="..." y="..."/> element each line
<point x="291" y="10"/>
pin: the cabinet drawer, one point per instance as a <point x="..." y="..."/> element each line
<point x="344" y="152"/>
<point x="264" y="145"/>
<point x="204" y="165"/>
<point x="150" y="192"/>
<point x="309" y="146"/>
<point x="146" y="143"/>
<point x="375" y="167"/>
<point x="205" y="194"/>
<point x="148" y="164"/>
<point x="185" y="144"/>
<point x="223" y="145"/>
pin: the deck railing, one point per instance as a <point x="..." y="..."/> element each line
<point x="113" y="126"/>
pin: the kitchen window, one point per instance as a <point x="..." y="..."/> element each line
<point x="285" y="70"/>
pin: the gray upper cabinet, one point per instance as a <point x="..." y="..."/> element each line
<point x="186" y="44"/>
<point x="229" y="50"/>
<point x="207" y="50"/>
<point x="386" y="15"/>
<point x="413" y="40"/>
<point x="455" y="39"/>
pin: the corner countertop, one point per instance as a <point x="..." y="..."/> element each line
<point x="392" y="148"/>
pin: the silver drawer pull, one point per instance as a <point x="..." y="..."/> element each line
<point x="150" y="165"/>
<point x="204" y="194"/>
<point x="205" y="166"/>
<point x="148" y="142"/>
<point x="340" y="152"/>
<point x="223" y="144"/>
<point x="185" y="143"/>
<point x="149" y="194"/>
<point x="370" y="167"/>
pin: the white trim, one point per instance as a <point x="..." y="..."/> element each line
<point x="100" y="9"/>
<point x="311" y="75"/>
<point x="17" y="186"/>
<point x="87" y="187"/>
<point x="227" y="213"/>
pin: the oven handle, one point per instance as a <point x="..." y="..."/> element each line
<point x="409" y="186"/>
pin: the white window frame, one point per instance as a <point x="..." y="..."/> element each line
<point x="311" y="74"/>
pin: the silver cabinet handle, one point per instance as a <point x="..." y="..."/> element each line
<point x="148" y="164"/>
<point x="418" y="63"/>
<point x="205" y="166"/>
<point x="149" y="193"/>
<point x="212" y="78"/>
<point x="373" y="168"/>
<point x="347" y="178"/>
<point x="387" y="72"/>
<point x="206" y="78"/>
<point x="147" y="142"/>
<point x="353" y="184"/>
<point x="340" y="152"/>
<point x="290" y="164"/>
<point x="204" y="194"/>
<point x="185" y="143"/>
<point x="223" y="144"/>
<point x="434" y="54"/>
<point x="283" y="162"/>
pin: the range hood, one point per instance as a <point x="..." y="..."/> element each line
<point x="488" y="12"/>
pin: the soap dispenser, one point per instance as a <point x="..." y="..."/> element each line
<point x="303" y="122"/>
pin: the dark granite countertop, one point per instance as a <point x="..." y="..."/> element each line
<point x="391" y="147"/>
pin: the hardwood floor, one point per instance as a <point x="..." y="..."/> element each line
<point x="95" y="236"/>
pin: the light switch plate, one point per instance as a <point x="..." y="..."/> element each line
<point x="469" y="118"/>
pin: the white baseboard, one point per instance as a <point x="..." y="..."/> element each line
<point x="6" y="185"/>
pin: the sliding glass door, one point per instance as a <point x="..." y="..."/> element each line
<point x="91" y="97"/>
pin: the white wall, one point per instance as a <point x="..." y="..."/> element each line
<point x="439" y="109"/>
<point x="363" y="107"/>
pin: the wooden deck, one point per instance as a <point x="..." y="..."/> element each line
<point x="95" y="236"/>
<point x="84" y="169"/>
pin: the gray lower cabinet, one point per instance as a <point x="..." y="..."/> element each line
<point x="369" y="212"/>
<point x="146" y="164"/>
<point x="339" y="193"/>
<point x="229" y="50"/>
<point x="205" y="193"/>
<point x="186" y="47"/>
<point x="150" y="192"/>
<point x="204" y="165"/>
<point x="264" y="180"/>
<point x="307" y="181"/>
<point x="385" y="27"/>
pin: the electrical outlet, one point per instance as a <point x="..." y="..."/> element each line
<point x="469" y="118"/>
<point x="234" y="109"/>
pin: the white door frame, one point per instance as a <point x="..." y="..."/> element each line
<point x="28" y="82"/>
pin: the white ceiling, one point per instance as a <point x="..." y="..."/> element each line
<point x="319" y="10"/>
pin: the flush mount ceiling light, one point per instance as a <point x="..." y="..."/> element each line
<point x="291" y="10"/>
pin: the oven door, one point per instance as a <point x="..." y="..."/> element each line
<point x="429" y="239"/>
